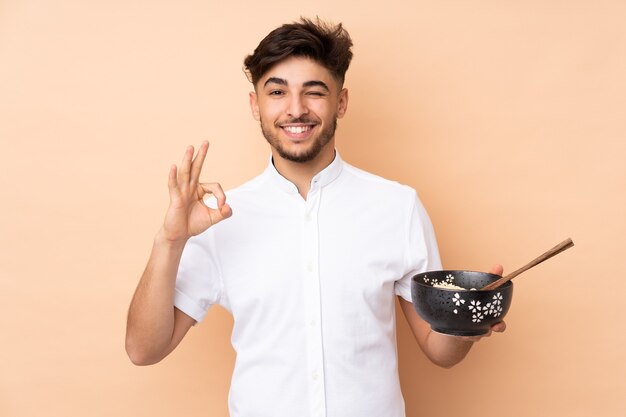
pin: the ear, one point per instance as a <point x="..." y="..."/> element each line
<point x="254" y="106"/>
<point x="342" y="106"/>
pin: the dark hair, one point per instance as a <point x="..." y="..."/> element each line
<point x="328" y="45"/>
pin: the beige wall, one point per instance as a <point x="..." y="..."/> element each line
<point x="508" y="117"/>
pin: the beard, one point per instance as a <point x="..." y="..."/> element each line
<point x="306" y="155"/>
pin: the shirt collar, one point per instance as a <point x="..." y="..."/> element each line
<point x="321" y="179"/>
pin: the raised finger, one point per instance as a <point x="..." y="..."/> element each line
<point x="185" y="165"/>
<point x="198" y="161"/>
<point x="171" y="180"/>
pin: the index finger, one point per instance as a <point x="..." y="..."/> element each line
<point x="196" y="166"/>
<point x="217" y="191"/>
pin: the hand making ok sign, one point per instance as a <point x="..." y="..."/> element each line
<point x="187" y="214"/>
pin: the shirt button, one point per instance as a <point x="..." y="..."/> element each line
<point x="312" y="323"/>
<point x="308" y="217"/>
<point x="315" y="376"/>
<point x="309" y="267"/>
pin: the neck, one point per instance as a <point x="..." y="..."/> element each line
<point x="301" y="173"/>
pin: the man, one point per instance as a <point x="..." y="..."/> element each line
<point x="308" y="256"/>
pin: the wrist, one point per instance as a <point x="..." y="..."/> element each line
<point x="162" y="239"/>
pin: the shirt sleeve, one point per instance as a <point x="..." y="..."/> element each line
<point x="422" y="253"/>
<point x="198" y="282"/>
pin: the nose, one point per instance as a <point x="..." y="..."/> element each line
<point x="296" y="107"/>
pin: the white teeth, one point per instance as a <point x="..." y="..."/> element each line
<point x="297" y="129"/>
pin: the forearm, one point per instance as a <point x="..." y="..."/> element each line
<point x="155" y="326"/>
<point x="150" y="323"/>
<point x="444" y="350"/>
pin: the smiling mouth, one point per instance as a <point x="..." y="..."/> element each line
<point x="297" y="129"/>
<point x="298" y="132"/>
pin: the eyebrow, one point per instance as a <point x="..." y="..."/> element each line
<point x="275" y="80"/>
<point x="316" y="83"/>
<point x="282" y="81"/>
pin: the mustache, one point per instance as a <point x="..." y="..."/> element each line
<point x="301" y="119"/>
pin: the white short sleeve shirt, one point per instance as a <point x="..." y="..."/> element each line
<point x="311" y="285"/>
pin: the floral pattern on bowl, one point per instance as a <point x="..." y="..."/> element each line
<point x="455" y="311"/>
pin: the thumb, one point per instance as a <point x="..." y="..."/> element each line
<point x="497" y="269"/>
<point x="226" y="211"/>
<point x="221" y="213"/>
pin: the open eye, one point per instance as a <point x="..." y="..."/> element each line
<point x="276" y="93"/>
